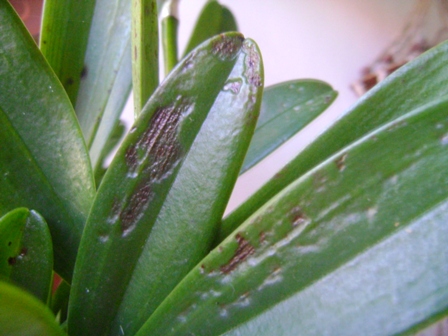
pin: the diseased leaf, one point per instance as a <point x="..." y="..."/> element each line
<point x="286" y="109"/>
<point x="419" y="82"/>
<point x="63" y="41"/>
<point x="44" y="164"/>
<point x="139" y="179"/>
<point x="374" y="189"/>
<point x="188" y="221"/>
<point x="22" y="314"/>
<point x="32" y="268"/>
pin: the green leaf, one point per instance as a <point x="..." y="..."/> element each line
<point x="286" y="109"/>
<point x="59" y="301"/>
<point x="145" y="46"/>
<point x="415" y="84"/>
<point x="213" y="20"/>
<point x="33" y="264"/>
<point x="189" y="219"/>
<point x="343" y="208"/>
<point x="11" y="231"/>
<point x="399" y="282"/>
<point x="64" y="33"/>
<point x="22" y="314"/>
<point x="106" y="78"/>
<point x="44" y="164"/>
<point x="138" y="180"/>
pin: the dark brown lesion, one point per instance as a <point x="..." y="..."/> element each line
<point x="252" y="63"/>
<point x="227" y="47"/>
<point x="136" y="206"/>
<point x="244" y="250"/>
<point x="298" y="217"/>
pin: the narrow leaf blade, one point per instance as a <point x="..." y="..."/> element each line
<point x="138" y="180"/>
<point x="44" y="164"/>
<point x="286" y="109"/>
<point x="188" y="221"/>
<point x="406" y="89"/>
<point x="64" y="33"/>
<point x="344" y="207"/>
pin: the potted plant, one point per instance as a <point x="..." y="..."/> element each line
<point x="348" y="238"/>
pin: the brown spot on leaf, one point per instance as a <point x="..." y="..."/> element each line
<point x="340" y="162"/>
<point x="298" y="217"/>
<point x="136" y="206"/>
<point x="23" y="252"/>
<point x="11" y="261"/>
<point x="244" y="250"/>
<point x="69" y="81"/>
<point x="227" y="47"/>
<point x="252" y="62"/>
<point x="84" y="72"/>
<point x="262" y="237"/>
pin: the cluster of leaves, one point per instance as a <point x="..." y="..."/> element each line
<point x="349" y="236"/>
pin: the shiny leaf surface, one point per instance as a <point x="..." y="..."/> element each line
<point x="32" y="267"/>
<point x="415" y="84"/>
<point x="188" y="221"/>
<point x="139" y="179"/>
<point x="64" y="33"/>
<point x="44" y="164"/>
<point x="22" y="314"/>
<point x="346" y="206"/>
<point x="286" y="109"/>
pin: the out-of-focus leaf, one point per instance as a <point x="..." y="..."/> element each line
<point x="64" y="33"/>
<point x="32" y="268"/>
<point x="106" y="76"/>
<point x="213" y="20"/>
<point x="44" y="164"/>
<point x="145" y="46"/>
<point x="286" y="109"/>
<point x="139" y="179"/>
<point x="388" y="182"/>
<point x="22" y="314"/>
<point x="59" y="301"/>
<point x="188" y="221"/>
<point x="415" y="84"/>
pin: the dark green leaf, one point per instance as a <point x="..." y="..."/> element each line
<point x="415" y="84"/>
<point x="22" y="314"/>
<point x="11" y="231"/>
<point x="286" y="108"/>
<point x="33" y="265"/>
<point x="379" y="187"/>
<point x="44" y="164"/>
<point x="138" y="180"/>
<point x="63" y="41"/>
<point x="189" y="219"/>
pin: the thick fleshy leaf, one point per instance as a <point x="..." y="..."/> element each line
<point x="22" y="314"/>
<point x="106" y="76"/>
<point x="346" y="206"/>
<point x="145" y="46"/>
<point x="63" y="41"/>
<point x="32" y="268"/>
<point x="187" y="224"/>
<point x="286" y="109"/>
<point x="11" y="231"/>
<point x="415" y="84"/>
<point x="213" y="20"/>
<point x="138" y="180"/>
<point x="44" y="164"/>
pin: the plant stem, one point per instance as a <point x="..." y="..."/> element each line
<point x="145" y="48"/>
<point x="170" y="24"/>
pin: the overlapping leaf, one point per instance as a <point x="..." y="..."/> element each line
<point x="44" y="164"/>
<point x="415" y="84"/>
<point x="139" y="179"/>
